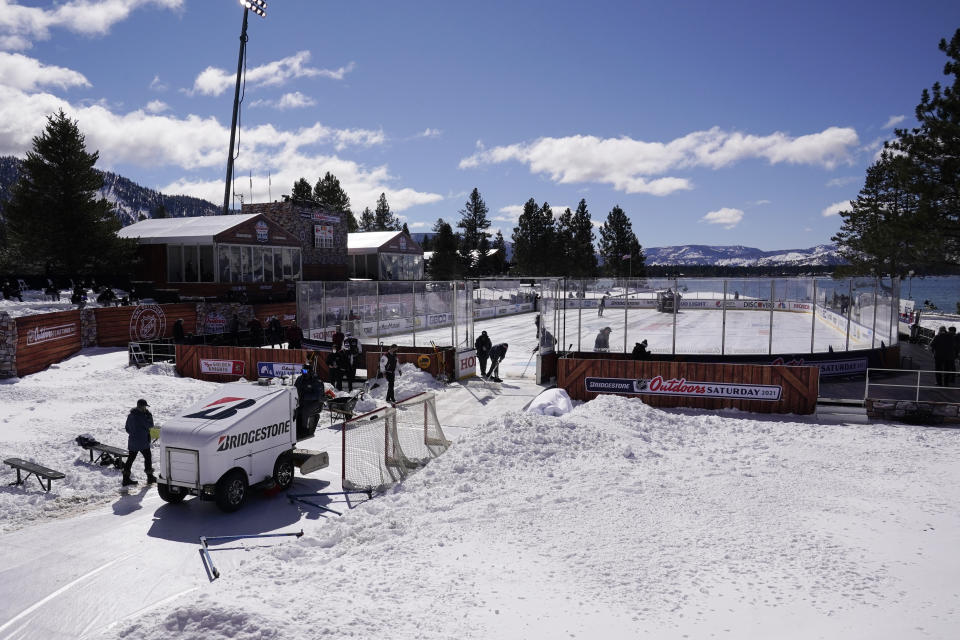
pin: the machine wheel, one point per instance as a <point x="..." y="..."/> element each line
<point x="232" y="490"/>
<point x="173" y="495"/>
<point x="283" y="471"/>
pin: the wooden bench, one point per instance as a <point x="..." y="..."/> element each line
<point x="106" y="455"/>
<point x="32" y="469"/>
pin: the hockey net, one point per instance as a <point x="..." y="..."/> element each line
<point x="372" y="457"/>
<point x="382" y="447"/>
<point x="418" y="428"/>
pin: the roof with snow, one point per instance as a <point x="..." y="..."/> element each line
<point x="375" y="241"/>
<point x="195" y="230"/>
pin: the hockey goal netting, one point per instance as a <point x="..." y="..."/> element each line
<point x="381" y="447"/>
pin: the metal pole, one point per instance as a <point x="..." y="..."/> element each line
<point x="414" y="316"/>
<point x="236" y="109"/>
<point x="770" y="338"/>
<point x="456" y="289"/>
<point x="849" y="310"/>
<point x="676" y="305"/>
<point x="813" y="321"/>
<point x="723" y="321"/>
<point x="583" y="291"/>
<point x="873" y="333"/>
<point x="377" y="311"/>
<point x="626" y="304"/>
<point x="323" y="308"/>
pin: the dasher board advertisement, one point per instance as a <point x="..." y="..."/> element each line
<point x="222" y="367"/>
<point x="682" y="387"/>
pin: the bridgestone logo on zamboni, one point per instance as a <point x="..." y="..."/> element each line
<point x="254" y="435"/>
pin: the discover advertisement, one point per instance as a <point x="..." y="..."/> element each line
<point x="682" y="387"/>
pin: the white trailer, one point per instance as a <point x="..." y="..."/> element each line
<point x="242" y="436"/>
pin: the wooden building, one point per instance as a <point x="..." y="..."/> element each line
<point x="213" y="256"/>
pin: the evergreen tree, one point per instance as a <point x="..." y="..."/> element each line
<point x="886" y="226"/>
<point x="498" y="262"/>
<point x="534" y="240"/>
<point x="302" y="191"/>
<point x="445" y="263"/>
<point x="619" y="247"/>
<point x="582" y="255"/>
<point x="55" y="223"/>
<point x="160" y="211"/>
<point x="383" y="218"/>
<point x="934" y="148"/>
<point x="367" y="220"/>
<point x="329" y="194"/>
<point x="474" y="222"/>
<point x="405" y="228"/>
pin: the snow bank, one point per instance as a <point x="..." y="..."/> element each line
<point x="35" y="302"/>
<point x="89" y="393"/>
<point x="615" y="520"/>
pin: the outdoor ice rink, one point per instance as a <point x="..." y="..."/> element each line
<point x="698" y="331"/>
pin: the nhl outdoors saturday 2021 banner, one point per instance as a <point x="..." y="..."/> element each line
<point x="682" y="387"/>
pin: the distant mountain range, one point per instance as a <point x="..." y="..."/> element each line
<point x="739" y="256"/>
<point x="131" y="201"/>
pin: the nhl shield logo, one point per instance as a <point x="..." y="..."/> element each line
<point x="148" y="322"/>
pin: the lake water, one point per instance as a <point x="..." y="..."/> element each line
<point x="943" y="291"/>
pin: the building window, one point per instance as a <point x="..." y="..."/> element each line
<point x="267" y="264"/>
<point x="323" y="236"/>
<point x="174" y="263"/>
<point x="206" y="262"/>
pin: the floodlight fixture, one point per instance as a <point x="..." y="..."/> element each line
<point x="259" y="7"/>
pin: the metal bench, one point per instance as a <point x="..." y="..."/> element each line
<point x="106" y="455"/>
<point x="40" y="472"/>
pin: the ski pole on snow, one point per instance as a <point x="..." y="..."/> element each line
<point x="527" y="365"/>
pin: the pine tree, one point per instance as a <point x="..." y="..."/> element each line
<point x="384" y="220"/>
<point x="55" y="223"/>
<point x="160" y="211"/>
<point x="534" y="241"/>
<point x="582" y="255"/>
<point x="619" y="247"/>
<point x="329" y="194"/>
<point x="886" y="226"/>
<point x="474" y="222"/>
<point x="498" y="262"/>
<point x="302" y="191"/>
<point x="446" y="262"/>
<point x="367" y="220"/>
<point x="934" y="148"/>
<point x="405" y="228"/>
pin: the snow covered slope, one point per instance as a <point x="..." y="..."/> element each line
<point x="740" y="256"/>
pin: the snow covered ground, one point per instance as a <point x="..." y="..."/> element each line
<point x="35" y="301"/>
<point x="616" y="520"/>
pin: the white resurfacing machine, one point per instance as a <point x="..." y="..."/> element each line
<point x="242" y="436"/>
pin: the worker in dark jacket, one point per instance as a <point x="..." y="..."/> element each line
<point x="942" y="347"/>
<point x="310" y="398"/>
<point x="179" y="335"/>
<point x="497" y="354"/>
<point x="482" y="344"/>
<point x="337" y="364"/>
<point x="640" y="351"/>
<point x="388" y="366"/>
<point x="602" y="343"/>
<point x="139" y="423"/>
<point x="294" y="337"/>
<point x="351" y="346"/>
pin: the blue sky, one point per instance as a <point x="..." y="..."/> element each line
<point x="707" y="122"/>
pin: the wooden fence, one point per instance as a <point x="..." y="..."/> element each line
<point x="189" y="357"/>
<point x="681" y="384"/>
<point x="413" y="355"/>
<point x="118" y="326"/>
<point x="47" y="338"/>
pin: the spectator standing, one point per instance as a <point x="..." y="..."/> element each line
<point x="178" y="334"/>
<point x="640" y="351"/>
<point x="256" y="332"/>
<point x="603" y="305"/>
<point x="602" y="343"/>
<point x="338" y="337"/>
<point x="294" y="337"/>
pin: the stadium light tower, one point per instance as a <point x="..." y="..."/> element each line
<point x="259" y="7"/>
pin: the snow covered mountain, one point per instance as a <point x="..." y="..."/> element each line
<point x="740" y="256"/>
<point x="132" y="202"/>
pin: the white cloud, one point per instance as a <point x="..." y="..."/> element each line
<point x="156" y="106"/>
<point x="894" y="121"/>
<point x="197" y="146"/>
<point x="28" y="74"/>
<point x="20" y="25"/>
<point x="726" y="216"/>
<point x="430" y="133"/>
<point x="157" y="84"/>
<point x="418" y="225"/>
<point x="629" y="165"/>
<point x="213" y="81"/>
<point x="510" y="213"/>
<point x="758" y="203"/>
<point x="295" y="100"/>
<point x="836" y="208"/>
<point x="842" y="182"/>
